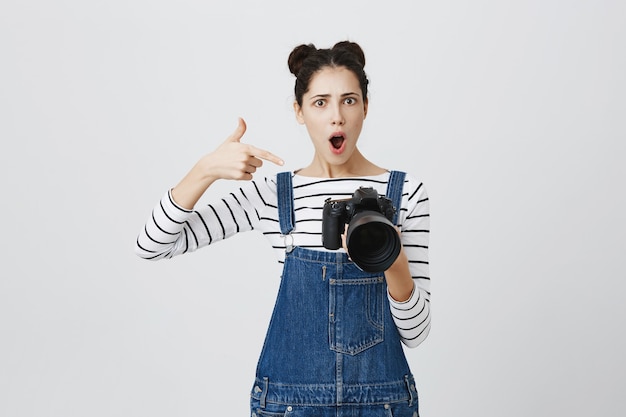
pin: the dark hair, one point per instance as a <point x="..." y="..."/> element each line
<point x="305" y="60"/>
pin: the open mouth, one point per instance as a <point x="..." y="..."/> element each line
<point x="337" y="141"/>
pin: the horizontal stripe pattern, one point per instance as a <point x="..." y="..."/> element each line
<point x="172" y="230"/>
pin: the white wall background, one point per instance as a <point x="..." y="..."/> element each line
<point x="512" y="113"/>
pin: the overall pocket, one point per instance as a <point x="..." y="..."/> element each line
<point x="356" y="317"/>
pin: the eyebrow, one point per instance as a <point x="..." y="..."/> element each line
<point x="318" y="96"/>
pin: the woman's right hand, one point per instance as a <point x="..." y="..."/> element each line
<point x="235" y="160"/>
<point x="232" y="160"/>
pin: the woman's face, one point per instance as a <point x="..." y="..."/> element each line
<point x="333" y="110"/>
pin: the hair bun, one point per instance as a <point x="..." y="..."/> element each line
<point x="298" y="55"/>
<point x="353" y="48"/>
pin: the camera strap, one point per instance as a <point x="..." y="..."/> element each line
<point x="394" y="192"/>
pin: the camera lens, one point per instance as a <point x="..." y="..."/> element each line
<point x="373" y="242"/>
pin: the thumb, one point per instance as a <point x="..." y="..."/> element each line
<point x="238" y="133"/>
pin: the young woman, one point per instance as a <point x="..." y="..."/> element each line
<point x="334" y="343"/>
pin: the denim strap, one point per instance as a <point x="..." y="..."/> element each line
<point x="394" y="192"/>
<point x="285" y="202"/>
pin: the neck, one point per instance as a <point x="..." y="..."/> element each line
<point x="356" y="166"/>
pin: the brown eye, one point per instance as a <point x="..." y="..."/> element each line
<point x="319" y="103"/>
<point x="350" y="100"/>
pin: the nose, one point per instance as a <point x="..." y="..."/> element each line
<point x="337" y="117"/>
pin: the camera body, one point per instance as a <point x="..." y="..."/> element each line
<point x="372" y="240"/>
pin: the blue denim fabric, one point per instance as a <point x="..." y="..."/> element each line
<point x="380" y="410"/>
<point x="332" y="347"/>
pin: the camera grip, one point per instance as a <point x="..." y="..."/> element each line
<point x="333" y="223"/>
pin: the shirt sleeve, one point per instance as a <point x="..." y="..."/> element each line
<point x="412" y="317"/>
<point x="172" y="230"/>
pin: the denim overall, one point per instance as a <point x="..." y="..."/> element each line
<point x="332" y="347"/>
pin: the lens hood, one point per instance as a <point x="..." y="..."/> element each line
<point x="372" y="241"/>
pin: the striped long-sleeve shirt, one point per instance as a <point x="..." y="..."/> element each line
<point x="172" y="230"/>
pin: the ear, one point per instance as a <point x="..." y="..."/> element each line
<point x="365" y="104"/>
<point x="298" y="111"/>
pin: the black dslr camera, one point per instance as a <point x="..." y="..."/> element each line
<point x="371" y="239"/>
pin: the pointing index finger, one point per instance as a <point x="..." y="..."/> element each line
<point x="266" y="155"/>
